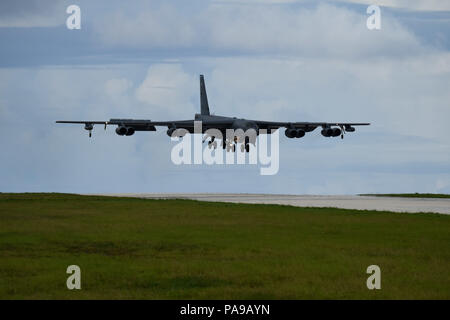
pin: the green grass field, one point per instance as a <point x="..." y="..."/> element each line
<point x="181" y="249"/>
<point x="410" y="195"/>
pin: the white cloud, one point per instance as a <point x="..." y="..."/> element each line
<point x="326" y="30"/>
<point x="165" y="26"/>
<point x="32" y="13"/>
<point x="420" y="5"/>
<point x="116" y="87"/>
<point x="406" y="100"/>
<point x="169" y="88"/>
<point x="318" y="64"/>
<point x="399" y="96"/>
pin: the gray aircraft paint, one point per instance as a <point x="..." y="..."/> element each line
<point x="293" y="129"/>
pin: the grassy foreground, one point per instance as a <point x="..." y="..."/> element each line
<point x="182" y="249"/>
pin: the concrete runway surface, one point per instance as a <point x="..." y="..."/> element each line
<point x="347" y="202"/>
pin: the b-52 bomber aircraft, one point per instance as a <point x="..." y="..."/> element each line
<point x="127" y="127"/>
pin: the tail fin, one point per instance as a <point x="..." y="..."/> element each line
<point x="204" y="107"/>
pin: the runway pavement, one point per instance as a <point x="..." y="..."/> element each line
<point x="347" y="202"/>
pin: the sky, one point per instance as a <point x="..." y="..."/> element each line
<point x="267" y="60"/>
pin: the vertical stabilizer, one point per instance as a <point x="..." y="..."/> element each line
<point x="204" y="107"/>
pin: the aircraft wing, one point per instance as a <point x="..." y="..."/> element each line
<point x="306" y="126"/>
<point x="129" y="126"/>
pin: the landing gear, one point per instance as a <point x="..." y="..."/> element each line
<point x="89" y="126"/>
<point x="245" y="147"/>
<point x="342" y="132"/>
<point x="231" y="147"/>
<point x="212" y="144"/>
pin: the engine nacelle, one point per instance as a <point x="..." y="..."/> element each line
<point x="331" y="132"/>
<point x="300" y="133"/>
<point x="130" y="131"/>
<point x="290" y="133"/>
<point x="182" y="132"/>
<point x="170" y="131"/>
<point x="327" y="132"/>
<point x="121" y="130"/>
<point x="349" y="129"/>
<point x="336" y="132"/>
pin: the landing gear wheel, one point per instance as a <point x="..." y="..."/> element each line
<point x="247" y="147"/>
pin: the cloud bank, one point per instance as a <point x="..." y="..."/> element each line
<point x="269" y="62"/>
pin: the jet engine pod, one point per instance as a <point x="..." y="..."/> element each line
<point x="327" y="132"/>
<point x="121" y="130"/>
<point x="290" y="133"/>
<point x="170" y="131"/>
<point x="349" y="129"/>
<point x="130" y="131"/>
<point x="300" y="134"/>
<point x="181" y="133"/>
<point x="88" y="126"/>
<point x="336" y="132"/>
